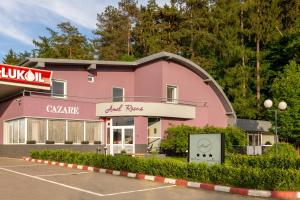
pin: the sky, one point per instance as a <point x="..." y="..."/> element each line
<point x="21" y="21"/>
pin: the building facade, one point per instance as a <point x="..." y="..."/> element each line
<point x="122" y="105"/>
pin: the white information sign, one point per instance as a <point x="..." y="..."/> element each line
<point x="207" y="148"/>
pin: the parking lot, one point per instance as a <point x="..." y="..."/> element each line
<point x="26" y="180"/>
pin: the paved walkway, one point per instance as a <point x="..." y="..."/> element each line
<point x="21" y="180"/>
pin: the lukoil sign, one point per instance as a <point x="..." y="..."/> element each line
<point x="25" y="75"/>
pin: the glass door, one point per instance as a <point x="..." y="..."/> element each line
<point x="122" y="139"/>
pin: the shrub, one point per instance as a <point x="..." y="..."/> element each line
<point x="31" y="142"/>
<point x="68" y="142"/>
<point x="177" y="137"/>
<point x="283" y="150"/>
<point x="85" y="142"/>
<point x="264" y="161"/>
<point x="97" y="142"/>
<point x="239" y="176"/>
<point x="49" y="142"/>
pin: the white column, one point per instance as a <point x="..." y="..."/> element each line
<point x="111" y="137"/>
<point x="26" y="125"/>
<point x="47" y="129"/>
<point x="84" y="130"/>
<point x="66" y="129"/>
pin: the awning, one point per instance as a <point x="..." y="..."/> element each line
<point x="14" y="79"/>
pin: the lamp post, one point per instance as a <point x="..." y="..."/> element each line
<point x="281" y="106"/>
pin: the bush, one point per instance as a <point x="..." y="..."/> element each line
<point x="264" y="161"/>
<point x="97" y="142"/>
<point x="239" y="176"/>
<point x="283" y="150"/>
<point x="68" y="142"/>
<point x="49" y="142"/>
<point x="85" y="142"/>
<point x="177" y="137"/>
<point x="31" y="142"/>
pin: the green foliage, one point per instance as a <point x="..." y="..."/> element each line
<point x="177" y="137"/>
<point x="264" y="161"/>
<point x="67" y="42"/>
<point x="239" y="176"/>
<point x="287" y="87"/>
<point x="12" y="58"/>
<point x="284" y="150"/>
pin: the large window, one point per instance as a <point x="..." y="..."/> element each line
<point x="93" y="131"/>
<point x="59" y="89"/>
<point x="171" y="94"/>
<point x="118" y="94"/>
<point x="15" y="131"/>
<point x="36" y="130"/>
<point x="76" y="131"/>
<point x="57" y="130"/>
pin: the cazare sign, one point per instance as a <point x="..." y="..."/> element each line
<point x="115" y="109"/>
<point x="71" y="110"/>
<point x="25" y="75"/>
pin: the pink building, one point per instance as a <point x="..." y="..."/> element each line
<point x="122" y="105"/>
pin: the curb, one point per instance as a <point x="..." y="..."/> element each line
<point x="178" y="182"/>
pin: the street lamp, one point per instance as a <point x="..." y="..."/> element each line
<point x="281" y="106"/>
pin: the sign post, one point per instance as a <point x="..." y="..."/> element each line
<point x="207" y="148"/>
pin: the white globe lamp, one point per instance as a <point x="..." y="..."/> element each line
<point x="268" y="103"/>
<point x="282" y="105"/>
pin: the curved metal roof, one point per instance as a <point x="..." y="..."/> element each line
<point x="92" y="64"/>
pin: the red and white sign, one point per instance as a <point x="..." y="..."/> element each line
<point x="25" y="75"/>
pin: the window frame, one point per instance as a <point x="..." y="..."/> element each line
<point x="123" y="96"/>
<point x="92" y="80"/>
<point x="175" y="99"/>
<point x="65" y="89"/>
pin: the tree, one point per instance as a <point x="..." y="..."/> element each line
<point x="12" y="58"/>
<point x="114" y="36"/>
<point x="287" y="87"/>
<point x="264" y="22"/>
<point x="67" y="42"/>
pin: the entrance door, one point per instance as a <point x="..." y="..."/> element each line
<point x="122" y="139"/>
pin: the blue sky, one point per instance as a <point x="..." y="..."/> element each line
<point x="21" y="21"/>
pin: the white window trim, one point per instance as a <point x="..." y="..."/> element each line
<point x="175" y="100"/>
<point x="123" y="89"/>
<point x="65" y="89"/>
<point x="92" y="78"/>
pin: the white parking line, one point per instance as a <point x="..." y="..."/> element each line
<point x="79" y="189"/>
<point x="63" y="174"/>
<point x="22" y="165"/>
<point x="53" y="182"/>
<point x="143" y="190"/>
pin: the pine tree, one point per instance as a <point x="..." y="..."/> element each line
<point x="12" y="58"/>
<point x="67" y="42"/>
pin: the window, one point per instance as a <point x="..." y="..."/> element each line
<point x="15" y="131"/>
<point x="254" y="139"/>
<point x="36" y="130"/>
<point x="57" y="130"/>
<point x="91" y="78"/>
<point x="75" y="131"/>
<point x="171" y="94"/>
<point x="59" y="89"/>
<point x="93" y="131"/>
<point x="123" y="121"/>
<point x="118" y="94"/>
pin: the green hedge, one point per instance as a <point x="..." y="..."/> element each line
<point x="177" y="137"/>
<point x="263" y="161"/>
<point x="242" y="176"/>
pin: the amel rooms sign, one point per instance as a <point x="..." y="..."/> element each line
<point x="24" y="75"/>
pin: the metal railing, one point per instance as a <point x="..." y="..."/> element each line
<point x="42" y="94"/>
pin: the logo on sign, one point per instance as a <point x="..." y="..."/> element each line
<point x="122" y="107"/>
<point x="25" y="75"/>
